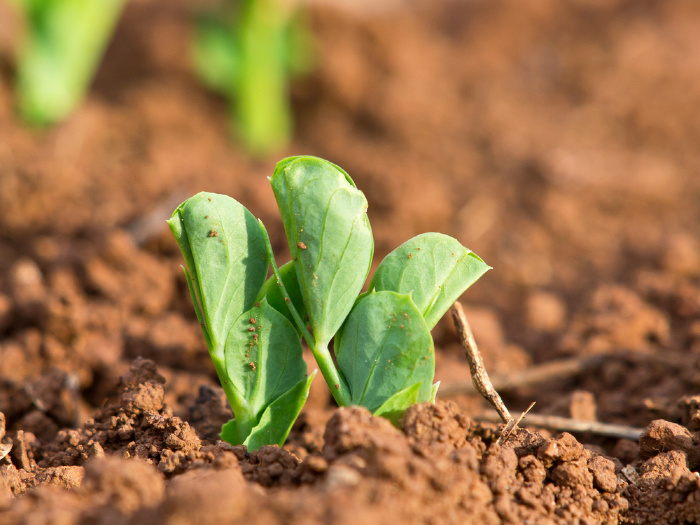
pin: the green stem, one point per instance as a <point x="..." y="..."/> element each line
<point x="334" y="379"/>
<point x="241" y="410"/>
<point x="64" y="45"/>
<point x="336" y="382"/>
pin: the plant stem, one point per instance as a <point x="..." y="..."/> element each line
<point x="240" y="408"/>
<point x="65" y="41"/>
<point x="336" y="382"/>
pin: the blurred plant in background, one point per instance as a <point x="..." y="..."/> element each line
<point x="247" y="51"/>
<point x="64" y="41"/>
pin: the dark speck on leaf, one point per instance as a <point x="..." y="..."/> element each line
<point x="206" y="216"/>
<point x="337" y="386"/>
<point x="255" y="338"/>
<point x="410" y="255"/>
<point x="251" y="329"/>
<point x="253" y="320"/>
<point x="213" y="233"/>
<point x="257" y="304"/>
<point x="209" y="199"/>
<point x="301" y="245"/>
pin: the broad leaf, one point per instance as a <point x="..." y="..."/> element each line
<point x="394" y="407"/>
<point x="272" y="292"/>
<point x="434" y="268"/>
<point x="325" y="218"/>
<point x="277" y="419"/>
<point x="383" y="348"/>
<point x="226" y="259"/>
<point x="264" y="358"/>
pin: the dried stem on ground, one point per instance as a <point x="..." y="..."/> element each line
<point x="560" y="369"/>
<point x="513" y="424"/>
<point x="480" y="377"/>
<point x="574" y="425"/>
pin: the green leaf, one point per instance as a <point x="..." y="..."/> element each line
<point x="226" y="259"/>
<point x="64" y="43"/>
<point x="434" y="268"/>
<point x="383" y="348"/>
<point x="215" y="53"/>
<point x="325" y="218"/>
<point x="272" y="292"/>
<point x="433" y="394"/>
<point x="229" y="433"/>
<point x="277" y="420"/>
<point x="264" y="359"/>
<point x="394" y="407"/>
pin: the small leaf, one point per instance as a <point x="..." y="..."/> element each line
<point x="277" y="420"/>
<point x="434" y="268"/>
<point x="226" y="259"/>
<point x="384" y="347"/>
<point x="229" y="433"/>
<point x="272" y="292"/>
<point x="394" y="407"/>
<point x="264" y="358"/>
<point x="325" y="218"/>
<point x="433" y="394"/>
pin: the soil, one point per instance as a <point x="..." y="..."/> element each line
<point x="558" y="140"/>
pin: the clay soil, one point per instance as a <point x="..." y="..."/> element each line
<point x="558" y="140"/>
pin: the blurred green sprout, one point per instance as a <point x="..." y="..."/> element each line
<point x="63" y="44"/>
<point x="247" y="51"/>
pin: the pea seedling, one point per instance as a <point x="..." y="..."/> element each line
<point x="247" y="51"/>
<point x="63" y="45"/>
<point x="253" y="326"/>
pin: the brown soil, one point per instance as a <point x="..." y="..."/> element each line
<point x="558" y="140"/>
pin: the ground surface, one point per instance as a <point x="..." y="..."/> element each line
<point x="558" y="140"/>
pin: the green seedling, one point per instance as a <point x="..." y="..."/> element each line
<point x="64" y="42"/>
<point x="253" y="326"/>
<point x="247" y="52"/>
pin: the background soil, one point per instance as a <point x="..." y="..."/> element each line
<point x="558" y="140"/>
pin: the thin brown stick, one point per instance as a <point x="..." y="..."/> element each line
<point x="512" y="425"/>
<point x="480" y="377"/>
<point x="563" y="424"/>
<point x="557" y="370"/>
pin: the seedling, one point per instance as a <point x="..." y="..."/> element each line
<point x="65" y="40"/>
<point x="247" y="52"/>
<point x="253" y="326"/>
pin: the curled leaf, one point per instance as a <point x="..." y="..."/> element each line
<point x="226" y="259"/>
<point x="325" y="219"/>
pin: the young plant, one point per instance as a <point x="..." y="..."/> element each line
<point x="65" y="40"/>
<point x="247" y="51"/>
<point x="253" y="327"/>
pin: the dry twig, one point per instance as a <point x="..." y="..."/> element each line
<point x="480" y="377"/>
<point x="513" y="424"/>
<point x="559" y="369"/>
<point x="563" y="424"/>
